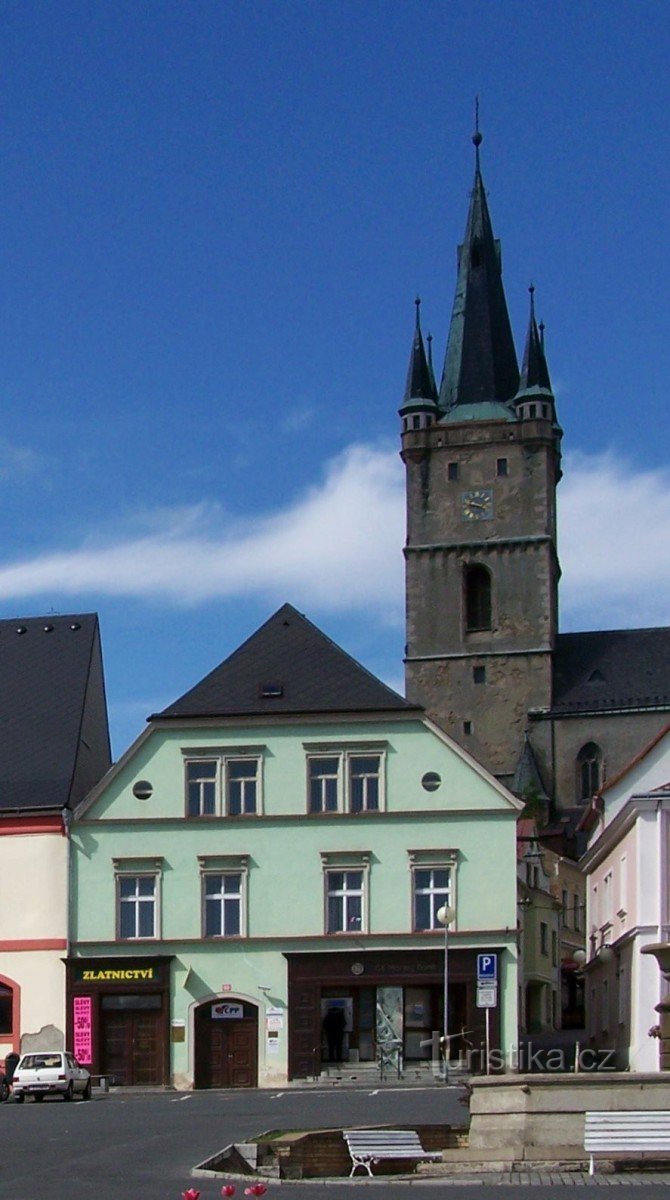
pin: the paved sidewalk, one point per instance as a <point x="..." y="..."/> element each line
<point x="556" y="1178"/>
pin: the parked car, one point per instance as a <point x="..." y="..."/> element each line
<point x="50" y="1073"/>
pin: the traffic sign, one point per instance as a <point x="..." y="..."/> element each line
<point x="487" y="995"/>
<point x="487" y="968"/>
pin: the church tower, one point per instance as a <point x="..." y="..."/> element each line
<point x="482" y="461"/>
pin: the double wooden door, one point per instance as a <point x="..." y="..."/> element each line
<point x="226" y="1051"/>
<point x="132" y="1048"/>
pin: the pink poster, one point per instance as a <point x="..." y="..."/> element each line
<point x="83" y="1048"/>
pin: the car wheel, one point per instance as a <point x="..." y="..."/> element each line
<point x="69" y="1091"/>
<point x="4" y="1090"/>
<point x="86" y="1094"/>
<point x="19" y="1098"/>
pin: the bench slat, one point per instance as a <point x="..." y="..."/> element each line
<point x="636" y="1132"/>
<point x="367" y="1146"/>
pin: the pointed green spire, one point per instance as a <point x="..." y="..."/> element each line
<point x="420" y="391"/>
<point x="480" y="366"/>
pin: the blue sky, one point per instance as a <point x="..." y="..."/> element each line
<point x="214" y="218"/>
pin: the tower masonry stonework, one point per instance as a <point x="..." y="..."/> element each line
<point x="552" y="714"/>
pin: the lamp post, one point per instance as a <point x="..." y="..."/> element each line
<point x="445" y="916"/>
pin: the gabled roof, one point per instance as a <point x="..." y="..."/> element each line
<point x="611" y="669"/>
<point x="480" y="365"/>
<point x="287" y="666"/>
<point x="54" y="738"/>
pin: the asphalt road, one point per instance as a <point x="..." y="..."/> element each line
<point x="130" y="1146"/>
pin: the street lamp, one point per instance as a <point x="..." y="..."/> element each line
<point x="445" y="916"/>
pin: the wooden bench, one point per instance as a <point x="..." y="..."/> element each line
<point x="369" y="1146"/>
<point x="635" y="1133"/>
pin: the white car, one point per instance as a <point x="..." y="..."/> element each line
<point x="50" y="1073"/>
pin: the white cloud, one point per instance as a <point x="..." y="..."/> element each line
<point x="338" y="547"/>
<point x="614" y="541"/>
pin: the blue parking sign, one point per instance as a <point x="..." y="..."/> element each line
<point x="487" y="968"/>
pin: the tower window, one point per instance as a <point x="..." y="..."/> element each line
<point x="452" y="471"/>
<point x="416" y="422"/>
<point x="477" y="599"/>
<point x="589" y="771"/>
<point x="501" y="466"/>
<point x="467" y="727"/>
<point x="533" y="410"/>
<point x="479" y="674"/>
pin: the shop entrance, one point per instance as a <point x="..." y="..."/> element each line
<point x="226" y="1045"/>
<point x="132" y="1049"/>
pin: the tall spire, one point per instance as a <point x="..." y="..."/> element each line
<point x="534" y="370"/>
<point x="420" y="391"/>
<point x="480" y="366"/>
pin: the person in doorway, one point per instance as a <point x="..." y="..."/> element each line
<point x="334" y="1025"/>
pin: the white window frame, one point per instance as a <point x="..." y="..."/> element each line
<point x="126" y="869"/>
<point x="345" y="756"/>
<point x="434" y="860"/>
<point x="223" y="758"/>
<point x="220" y="866"/>
<point x="343" y="862"/>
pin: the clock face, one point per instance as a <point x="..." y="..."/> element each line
<point x="477" y="505"/>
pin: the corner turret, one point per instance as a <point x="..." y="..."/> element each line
<point x="419" y="407"/>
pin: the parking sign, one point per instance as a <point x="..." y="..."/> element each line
<point x="487" y="968"/>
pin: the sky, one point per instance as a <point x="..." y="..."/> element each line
<point x="214" y="218"/>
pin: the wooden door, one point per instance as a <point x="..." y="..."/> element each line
<point x="226" y="1051"/>
<point x="132" y="1049"/>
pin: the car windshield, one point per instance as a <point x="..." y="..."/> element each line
<point x="33" y="1062"/>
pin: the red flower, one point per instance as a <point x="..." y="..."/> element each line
<point x="257" y="1189"/>
<point x="228" y="1189"/>
<point x="191" y="1194"/>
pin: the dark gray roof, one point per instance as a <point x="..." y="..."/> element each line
<point x="54" y="737"/>
<point x="480" y="364"/>
<point x="420" y="390"/>
<point x="287" y="666"/>
<point x="611" y="669"/>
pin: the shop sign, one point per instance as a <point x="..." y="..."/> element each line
<point x="82" y="1041"/>
<point x="273" y="1022"/>
<point x="100" y="974"/>
<point x="227" y="1010"/>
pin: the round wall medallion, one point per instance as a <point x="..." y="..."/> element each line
<point x="357" y="968"/>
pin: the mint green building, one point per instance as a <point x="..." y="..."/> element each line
<point x="255" y="885"/>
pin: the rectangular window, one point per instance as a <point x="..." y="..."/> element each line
<point x="364" y="778"/>
<point x="222" y="904"/>
<point x="577" y="910"/>
<point x="241" y="786"/>
<point x="479" y="674"/>
<point x="544" y="938"/>
<point x="564" y="908"/>
<point x="452" y="471"/>
<point x="554" y="948"/>
<point x="324" y="784"/>
<point x="501" y="466"/>
<point x="345" y="780"/>
<point x="201" y="786"/>
<point x="432" y="890"/>
<point x="223" y="786"/>
<point x="136" y="906"/>
<point x="344" y="901"/>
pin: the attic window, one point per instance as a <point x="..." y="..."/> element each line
<point x="272" y="691"/>
<point x="21" y="629"/>
<point x="596" y="677"/>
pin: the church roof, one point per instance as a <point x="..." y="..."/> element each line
<point x="480" y="364"/>
<point x="287" y="666"/>
<point x="54" y="739"/>
<point x="534" y="369"/>
<point x="611" y="669"/>
<point x="420" y="390"/>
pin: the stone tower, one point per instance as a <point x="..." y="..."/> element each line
<point x="482" y="461"/>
